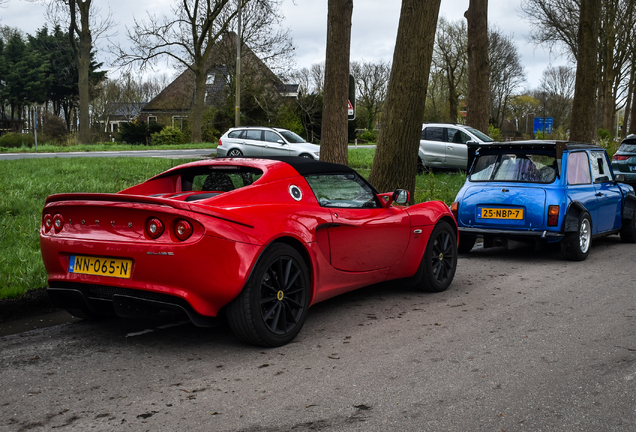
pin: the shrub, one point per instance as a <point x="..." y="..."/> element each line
<point x="494" y="133"/>
<point x="53" y="129"/>
<point x="370" y="136"/>
<point x="167" y="136"/>
<point x="136" y="132"/>
<point x="15" y="140"/>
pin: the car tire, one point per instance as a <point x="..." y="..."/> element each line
<point x="305" y="156"/>
<point x="234" y="153"/>
<point x="628" y="231"/>
<point x="440" y="259"/>
<point x="272" y="307"/>
<point x="575" y="246"/>
<point x="466" y="243"/>
<point x="420" y="166"/>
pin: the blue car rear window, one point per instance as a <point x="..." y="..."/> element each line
<point x="515" y="167"/>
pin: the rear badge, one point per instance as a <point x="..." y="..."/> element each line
<point x="295" y="192"/>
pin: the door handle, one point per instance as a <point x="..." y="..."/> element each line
<point x="449" y="148"/>
<point x="599" y="193"/>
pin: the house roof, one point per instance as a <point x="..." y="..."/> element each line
<point x="179" y="95"/>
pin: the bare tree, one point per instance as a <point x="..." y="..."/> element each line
<point x="558" y="84"/>
<point x="450" y="56"/>
<point x="187" y="36"/>
<point x="336" y="93"/>
<point x="317" y="72"/>
<point x="371" y="80"/>
<point x="395" y="161"/>
<point x="85" y="26"/>
<point x="582" y="126"/>
<point x="478" y="64"/>
<point x="506" y="74"/>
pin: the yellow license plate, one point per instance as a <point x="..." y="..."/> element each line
<point x="100" y="266"/>
<point x="498" y="213"/>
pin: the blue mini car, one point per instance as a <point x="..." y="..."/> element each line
<point x="543" y="191"/>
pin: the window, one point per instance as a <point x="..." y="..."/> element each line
<point x="219" y="179"/>
<point x="342" y="190"/>
<point x="434" y="134"/>
<point x="515" y="167"/>
<point x="178" y="122"/>
<point x="456" y="136"/>
<point x="270" y="136"/>
<point x="291" y="137"/>
<point x="152" y="119"/>
<point x="578" y="169"/>
<point x="600" y="168"/>
<point x="210" y="80"/>
<point x="252" y="134"/>
<point x="234" y="134"/>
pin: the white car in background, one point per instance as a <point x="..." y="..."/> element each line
<point x="255" y="141"/>
<point x="443" y="145"/>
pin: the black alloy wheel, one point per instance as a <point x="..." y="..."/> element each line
<point x="272" y="308"/>
<point x="440" y="259"/>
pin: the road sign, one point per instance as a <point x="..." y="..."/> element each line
<point x="351" y="111"/>
<point x="542" y="124"/>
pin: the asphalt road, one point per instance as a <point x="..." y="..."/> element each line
<point x="522" y="340"/>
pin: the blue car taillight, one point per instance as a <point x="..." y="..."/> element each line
<point x="553" y="215"/>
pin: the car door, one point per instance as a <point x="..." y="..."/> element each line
<point x="273" y="146"/>
<point x="433" y="146"/>
<point x="580" y="187"/>
<point x="364" y="236"/>
<point x="608" y="194"/>
<point x="456" y="149"/>
<point x="251" y="142"/>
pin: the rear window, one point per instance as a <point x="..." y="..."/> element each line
<point x="218" y="179"/>
<point x="515" y="167"/>
<point x="434" y="134"/>
<point x="628" y="147"/>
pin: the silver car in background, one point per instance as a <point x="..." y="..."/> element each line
<point x="443" y="145"/>
<point x="255" y="141"/>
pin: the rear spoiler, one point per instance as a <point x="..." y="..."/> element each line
<point x="472" y="148"/>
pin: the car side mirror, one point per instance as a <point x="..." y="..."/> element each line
<point x="601" y="179"/>
<point x="620" y="177"/>
<point x="281" y="142"/>
<point x="401" y="196"/>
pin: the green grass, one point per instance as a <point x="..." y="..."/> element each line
<point x="25" y="184"/>
<point x="49" y="148"/>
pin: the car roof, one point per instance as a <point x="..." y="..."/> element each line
<point x="539" y="145"/>
<point x="302" y="166"/>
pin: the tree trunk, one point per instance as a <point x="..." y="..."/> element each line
<point x="478" y="65"/>
<point x="632" y="114"/>
<point x="628" y="104"/>
<point x="196" y="121"/>
<point x="582" y="126"/>
<point x="395" y="161"/>
<point x="83" y="60"/>
<point x="453" y="98"/>
<point x="333" y="140"/>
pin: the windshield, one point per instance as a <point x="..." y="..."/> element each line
<point x="291" y="137"/>
<point x="482" y="136"/>
<point x="515" y="167"/>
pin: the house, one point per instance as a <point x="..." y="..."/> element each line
<point x="119" y="112"/>
<point x="172" y="106"/>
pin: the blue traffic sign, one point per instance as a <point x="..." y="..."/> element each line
<point x="542" y="124"/>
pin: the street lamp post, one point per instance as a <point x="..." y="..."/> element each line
<point x="237" y="79"/>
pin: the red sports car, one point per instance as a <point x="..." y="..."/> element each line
<point x="262" y="238"/>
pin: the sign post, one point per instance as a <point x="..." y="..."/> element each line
<point x="351" y="110"/>
<point x="543" y="125"/>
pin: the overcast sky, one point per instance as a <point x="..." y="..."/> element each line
<point x="372" y="35"/>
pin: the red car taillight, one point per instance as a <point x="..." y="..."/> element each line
<point x="47" y="222"/>
<point x="619" y="157"/>
<point x="553" y="215"/>
<point x="58" y="222"/>
<point x="182" y="229"/>
<point x="220" y="143"/>
<point x="154" y="228"/>
<point x="454" y="208"/>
